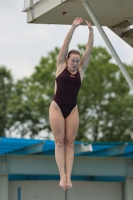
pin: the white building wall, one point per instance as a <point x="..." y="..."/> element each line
<point x="49" y="190"/>
<point x="35" y="190"/>
<point x="84" y="190"/>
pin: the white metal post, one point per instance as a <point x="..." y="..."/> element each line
<point x="108" y="43"/>
<point x="3" y="178"/>
<point x="129" y="188"/>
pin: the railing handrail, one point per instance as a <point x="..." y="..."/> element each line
<point x="32" y="3"/>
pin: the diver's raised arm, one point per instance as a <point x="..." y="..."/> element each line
<point x="86" y="57"/>
<point x="64" y="49"/>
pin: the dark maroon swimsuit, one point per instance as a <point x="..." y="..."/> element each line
<point x="68" y="86"/>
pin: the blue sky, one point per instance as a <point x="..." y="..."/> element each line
<point x="22" y="45"/>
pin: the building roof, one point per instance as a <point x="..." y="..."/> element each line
<point x="15" y="146"/>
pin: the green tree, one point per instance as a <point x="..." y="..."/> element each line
<point x="31" y="98"/>
<point x="5" y="94"/>
<point x="105" y="100"/>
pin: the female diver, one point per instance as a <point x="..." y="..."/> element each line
<point x="63" y="111"/>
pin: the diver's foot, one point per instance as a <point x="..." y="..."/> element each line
<point x="62" y="183"/>
<point x="68" y="183"/>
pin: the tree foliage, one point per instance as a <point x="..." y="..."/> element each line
<point x="31" y="98"/>
<point x="104" y="101"/>
<point x="5" y="94"/>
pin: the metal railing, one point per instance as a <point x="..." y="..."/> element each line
<point x="29" y="3"/>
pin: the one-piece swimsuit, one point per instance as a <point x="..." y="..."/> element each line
<point x="68" y="86"/>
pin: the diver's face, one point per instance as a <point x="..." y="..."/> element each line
<point x="73" y="62"/>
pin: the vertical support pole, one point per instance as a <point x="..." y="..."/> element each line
<point x="129" y="180"/>
<point x="19" y="193"/>
<point x="108" y="43"/>
<point x="129" y="188"/>
<point x="66" y="195"/>
<point x="3" y="178"/>
<point x="31" y="2"/>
